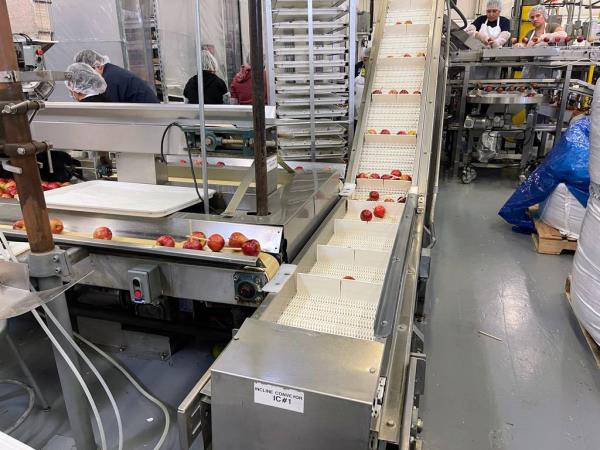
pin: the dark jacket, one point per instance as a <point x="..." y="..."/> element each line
<point x="96" y="98"/>
<point x="214" y="89"/>
<point x="122" y="86"/>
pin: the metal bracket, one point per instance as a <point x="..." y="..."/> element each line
<point x="14" y="76"/>
<point x="378" y="400"/>
<point x="54" y="263"/>
<point x="421" y="204"/>
<point x="10" y="168"/>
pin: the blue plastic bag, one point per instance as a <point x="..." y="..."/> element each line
<point x="566" y="163"/>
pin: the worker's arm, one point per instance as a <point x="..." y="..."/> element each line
<point x="556" y="33"/>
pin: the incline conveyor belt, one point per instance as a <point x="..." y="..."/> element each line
<point x="340" y="293"/>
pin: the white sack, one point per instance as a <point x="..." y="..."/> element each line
<point x="563" y="211"/>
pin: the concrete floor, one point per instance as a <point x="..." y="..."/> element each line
<point x="537" y="388"/>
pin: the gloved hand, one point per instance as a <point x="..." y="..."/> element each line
<point x="471" y="30"/>
<point x="483" y="37"/>
<point x="501" y="40"/>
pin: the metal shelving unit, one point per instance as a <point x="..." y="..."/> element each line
<point x="311" y="57"/>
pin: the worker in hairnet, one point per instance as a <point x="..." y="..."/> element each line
<point x="214" y="87"/>
<point x="123" y="86"/>
<point x="359" y="80"/>
<point x="543" y="32"/>
<point x="84" y="83"/>
<point x="493" y="30"/>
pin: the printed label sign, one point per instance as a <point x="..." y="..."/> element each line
<point x="279" y="397"/>
<point x="272" y="163"/>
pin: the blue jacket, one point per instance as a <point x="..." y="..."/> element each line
<point x="122" y="86"/>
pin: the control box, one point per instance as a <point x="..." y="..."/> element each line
<point x="145" y="284"/>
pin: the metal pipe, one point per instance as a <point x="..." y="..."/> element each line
<point x="75" y="402"/>
<point x="16" y="131"/>
<point x="258" y="106"/>
<point x="201" y="108"/>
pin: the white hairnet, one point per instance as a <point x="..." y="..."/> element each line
<point x="494" y="4"/>
<point x="539" y="9"/>
<point x="85" y="80"/>
<point x="209" y="62"/>
<point x="91" y="58"/>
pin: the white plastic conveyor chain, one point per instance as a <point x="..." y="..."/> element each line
<point x="339" y="294"/>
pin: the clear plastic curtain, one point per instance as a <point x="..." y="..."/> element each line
<point x="177" y="39"/>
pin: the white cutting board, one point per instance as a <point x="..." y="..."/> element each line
<point x="131" y="199"/>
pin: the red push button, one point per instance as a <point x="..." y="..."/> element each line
<point x="137" y="294"/>
<point x="39" y="52"/>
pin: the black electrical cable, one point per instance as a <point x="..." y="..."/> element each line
<point x="194" y="174"/>
<point x="162" y="139"/>
<point x="460" y="14"/>
<point x="26" y="36"/>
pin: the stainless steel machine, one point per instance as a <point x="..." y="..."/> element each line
<point x="505" y="106"/>
<point x="333" y="357"/>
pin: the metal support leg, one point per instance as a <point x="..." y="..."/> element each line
<point x="461" y="121"/>
<point x="563" y="103"/>
<point x="38" y="392"/>
<point x="75" y="401"/>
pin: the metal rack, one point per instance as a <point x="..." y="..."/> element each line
<point x="312" y="55"/>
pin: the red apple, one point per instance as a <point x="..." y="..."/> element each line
<point x="236" y="240"/>
<point x="398" y="22"/>
<point x="535" y="39"/>
<point x="547" y="39"/>
<point x="568" y="39"/>
<point x="396" y="173"/>
<point x="407" y="55"/>
<point x="56" y="226"/>
<point x="408" y="22"/>
<point x="165" y="241"/>
<point x="379" y="211"/>
<point x="371" y="131"/>
<point x="500" y="90"/>
<point x="373" y="196"/>
<point x="417" y="92"/>
<point x="19" y="225"/>
<point x="406" y="178"/>
<point x="362" y="175"/>
<point x="404" y="91"/>
<point x="5" y="195"/>
<point x="12" y="191"/>
<point x="251" y="248"/>
<point x="54" y="185"/>
<point x="514" y="41"/>
<point x="402" y="199"/>
<point x="200" y="237"/>
<point x="193" y="244"/>
<point x="220" y="164"/>
<point x="10" y="183"/>
<point x="102" y="233"/>
<point x="386" y="176"/>
<point x="401" y="133"/>
<point x="557" y="39"/>
<point x="216" y="242"/>
<point x="377" y="91"/>
<point x="348" y="277"/>
<point x="525" y="40"/>
<point x="366" y="215"/>
<point x="387" y="200"/>
<point x="580" y="39"/>
<point x="385" y="131"/>
<point x="374" y="176"/>
<point x="392" y="91"/>
<point x="182" y="162"/>
<point x="299" y="168"/>
<point x="489" y="89"/>
<point x="45" y="186"/>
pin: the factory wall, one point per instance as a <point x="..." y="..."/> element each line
<point x="30" y="17"/>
